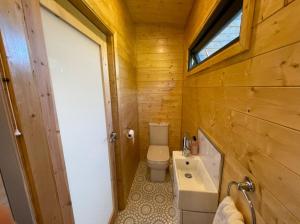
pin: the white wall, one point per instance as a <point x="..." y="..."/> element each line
<point x="75" y="68"/>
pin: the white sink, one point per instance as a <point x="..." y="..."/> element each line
<point x="195" y="193"/>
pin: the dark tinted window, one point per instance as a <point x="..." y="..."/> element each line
<point x="221" y="30"/>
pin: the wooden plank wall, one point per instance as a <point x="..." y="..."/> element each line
<point x="250" y="105"/>
<point x="115" y="15"/>
<point x="174" y="12"/>
<point x="33" y="144"/>
<point x="38" y="56"/>
<point x="159" y="52"/>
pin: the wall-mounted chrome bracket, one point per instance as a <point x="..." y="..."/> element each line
<point x="113" y="137"/>
<point x="245" y="186"/>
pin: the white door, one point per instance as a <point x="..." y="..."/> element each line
<point x="76" y="74"/>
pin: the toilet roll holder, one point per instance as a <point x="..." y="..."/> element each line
<point x="129" y="133"/>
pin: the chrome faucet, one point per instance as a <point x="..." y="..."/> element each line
<point x="186" y="150"/>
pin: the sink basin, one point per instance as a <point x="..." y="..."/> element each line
<point x="194" y="189"/>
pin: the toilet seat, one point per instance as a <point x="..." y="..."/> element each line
<point x="158" y="154"/>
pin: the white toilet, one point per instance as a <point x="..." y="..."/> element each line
<point x="158" y="151"/>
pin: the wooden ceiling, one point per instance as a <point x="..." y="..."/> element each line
<point x="173" y="12"/>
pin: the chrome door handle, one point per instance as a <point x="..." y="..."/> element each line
<point x="113" y="137"/>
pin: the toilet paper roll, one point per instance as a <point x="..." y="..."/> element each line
<point x="130" y="134"/>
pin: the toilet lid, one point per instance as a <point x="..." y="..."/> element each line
<point x="158" y="153"/>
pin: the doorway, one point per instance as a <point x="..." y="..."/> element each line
<point x="77" y="59"/>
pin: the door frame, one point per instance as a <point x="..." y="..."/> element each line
<point x="66" y="16"/>
<point x="11" y="169"/>
<point x="38" y="57"/>
<point x="27" y="97"/>
<point x="77" y="24"/>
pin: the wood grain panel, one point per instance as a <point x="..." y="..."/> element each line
<point x="173" y="12"/>
<point x="43" y="82"/>
<point x="159" y="52"/>
<point x="266" y="10"/>
<point x="249" y="106"/>
<point x="276" y="68"/>
<point x="34" y="147"/>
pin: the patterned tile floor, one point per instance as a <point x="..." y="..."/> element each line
<point x="149" y="203"/>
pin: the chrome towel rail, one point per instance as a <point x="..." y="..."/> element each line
<point x="245" y="186"/>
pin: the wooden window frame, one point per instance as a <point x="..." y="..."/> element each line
<point x="240" y="46"/>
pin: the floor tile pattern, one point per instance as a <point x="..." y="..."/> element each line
<point x="149" y="203"/>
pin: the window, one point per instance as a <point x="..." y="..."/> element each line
<point x="220" y="31"/>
